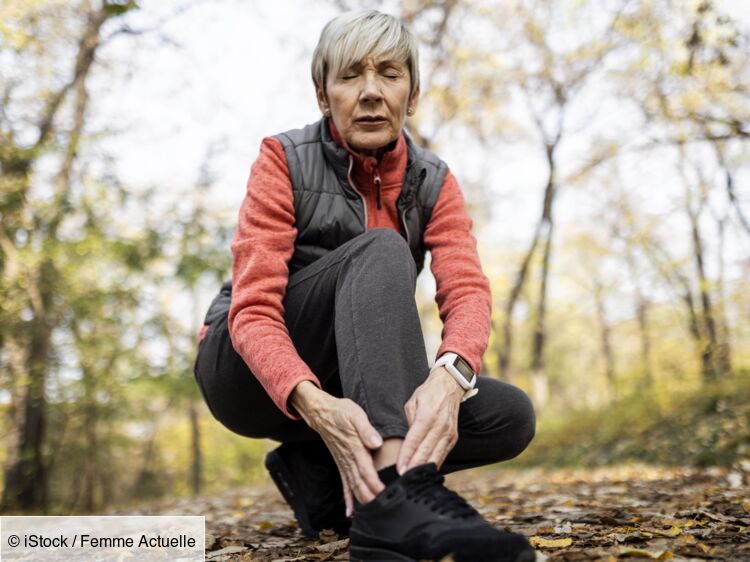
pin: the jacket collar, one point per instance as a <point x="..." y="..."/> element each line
<point x="392" y="161"/>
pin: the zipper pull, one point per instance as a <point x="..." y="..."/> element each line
<point x="377" y="185"/>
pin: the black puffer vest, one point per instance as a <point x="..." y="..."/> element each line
<point x="329" y="211"/>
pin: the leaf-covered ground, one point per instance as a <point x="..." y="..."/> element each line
<point x="609" y="514"/>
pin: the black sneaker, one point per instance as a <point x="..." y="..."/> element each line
<point x="306" y="475"/>
<point x="417" y="518"/>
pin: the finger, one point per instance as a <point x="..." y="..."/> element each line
<point x="348" y="501"/>
<point x="414" y="437"/>
<point x="367" y="472"/>
<point x="361" y="491"/>
<point x="440" y="452"/>
<point x="344" y="471"/>
<point x="368" y="434"/>
<point x="425" y="448"/>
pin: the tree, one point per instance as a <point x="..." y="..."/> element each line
<point x="33" y="277"/>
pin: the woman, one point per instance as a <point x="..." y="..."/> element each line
<point x="330" y="357"/>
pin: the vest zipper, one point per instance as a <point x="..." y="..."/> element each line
<point x="351" y="184"/>
<point x="377" y="184"/>
<point x="406" y="228"/>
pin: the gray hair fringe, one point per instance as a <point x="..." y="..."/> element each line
<point x="351" y="37"/>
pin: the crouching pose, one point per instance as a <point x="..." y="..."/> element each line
<point x="317" y="343"/>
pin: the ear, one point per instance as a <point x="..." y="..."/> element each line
<point x="414" y="101"/>
<point x="322" y="101"/>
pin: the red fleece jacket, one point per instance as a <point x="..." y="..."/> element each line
<point x="264" y="242"/>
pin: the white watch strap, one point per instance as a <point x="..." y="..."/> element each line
<point x="447" y="359"/>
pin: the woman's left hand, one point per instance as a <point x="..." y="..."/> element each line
<point x="432" y="413"/>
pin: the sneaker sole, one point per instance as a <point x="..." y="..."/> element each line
<point x="282" y="477"/>
<point x="364" y="554"/>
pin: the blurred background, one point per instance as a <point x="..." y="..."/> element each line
<point x="603" y="147"/>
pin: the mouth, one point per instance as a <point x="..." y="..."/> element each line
<point x="371" y="120"/>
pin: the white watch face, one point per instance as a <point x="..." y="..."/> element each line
<point x="463" y="368"/>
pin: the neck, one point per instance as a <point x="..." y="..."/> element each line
<point x="376" y="152"/>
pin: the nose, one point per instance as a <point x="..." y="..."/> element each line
<point x="370" y="88"/>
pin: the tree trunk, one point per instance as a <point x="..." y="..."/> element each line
<point x="641" y="313"/>
<point x="605" y="338"/>
<point x="505" y="349"/>
<point x="540" y="381"/>
<point x="681" y="285"/>
<point x="26" y="479"/>
<point x="196" y="472"/>
<point x="725" y="349"/>
<point x="89" y="474"/>
<point x="716" y="364"/>
<point x="729" y="184"/>
<point x="543" y="230"/>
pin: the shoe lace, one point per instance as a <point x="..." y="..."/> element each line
<point x="428" y="488"/>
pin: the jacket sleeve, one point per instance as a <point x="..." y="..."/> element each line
<point x="262" y="246"/>
<point x="463" y="294"/>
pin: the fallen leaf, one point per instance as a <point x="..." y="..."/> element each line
<point x="333" y="546"/>
<point x="226" y="550"/>
<point x="673" y="531"/>
<point x="651" y="554"/>
<point x="550" y="543"/>
<point x="686" y="539"/>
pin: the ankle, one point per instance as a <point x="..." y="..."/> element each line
<point x="387" y="453"/>
<point x="388" y="474"/>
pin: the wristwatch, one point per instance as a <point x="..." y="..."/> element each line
<point x="459" y="370"/>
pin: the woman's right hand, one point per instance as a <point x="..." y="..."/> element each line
<point x="348" y="434"/>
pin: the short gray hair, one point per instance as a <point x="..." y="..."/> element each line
<point x="353" y="36"/>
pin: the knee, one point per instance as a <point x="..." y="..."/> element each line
<point x="385" y="240"/>
<point x="388" y="248"/>
<point x="523" y="422"/>
<point x="514" y="424"/>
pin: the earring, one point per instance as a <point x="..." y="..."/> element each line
<point x="410" y="111"/>
<point x="327" y="113"/>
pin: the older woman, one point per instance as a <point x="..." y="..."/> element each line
<point x="318" y="344"/>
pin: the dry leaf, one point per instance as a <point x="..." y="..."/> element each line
<point x="673" y="531"/>
<point x="333" y="546"/>
<point x="651" y="554"/>
<point x="550" y="543"/>
<point x="224" y="551"/>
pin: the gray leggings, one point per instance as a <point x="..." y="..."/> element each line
<point x="353" y="319"/>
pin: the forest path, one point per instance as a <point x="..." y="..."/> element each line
<point x="609" y="514"/>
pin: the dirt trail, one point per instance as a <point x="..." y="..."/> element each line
<point x="609" y="514"/>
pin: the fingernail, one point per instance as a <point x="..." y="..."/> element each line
<point x="376" y="442"/>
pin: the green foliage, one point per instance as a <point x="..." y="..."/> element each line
<point x="706" y="426"/>
<point x="119" y="7"/>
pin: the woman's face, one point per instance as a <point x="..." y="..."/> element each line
<point x="368" y="102"/>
